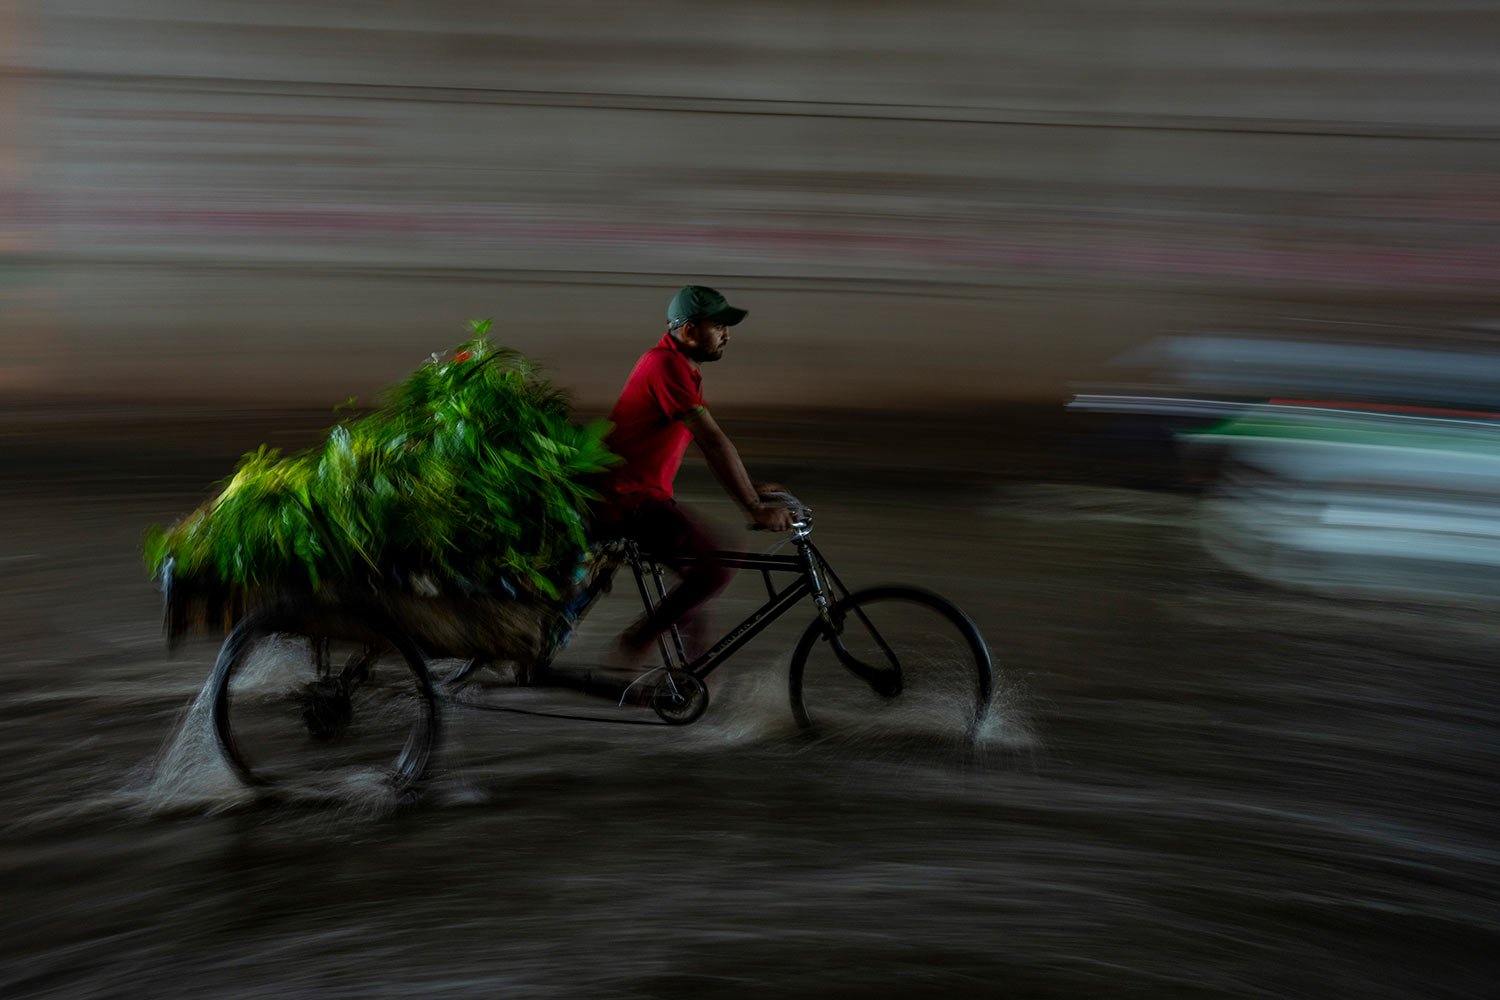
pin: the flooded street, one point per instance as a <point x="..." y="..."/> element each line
<point x="1059" y="310"/>
<point x="1191" y="784"/>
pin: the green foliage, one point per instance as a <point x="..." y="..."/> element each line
<point x="471" y="471"/>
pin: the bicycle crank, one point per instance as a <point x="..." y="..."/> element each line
<point x="679" y="697"/>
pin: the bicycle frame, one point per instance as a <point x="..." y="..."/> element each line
<point x="808" y="564"/>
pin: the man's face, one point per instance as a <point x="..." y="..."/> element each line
<point x="705" y="341"/>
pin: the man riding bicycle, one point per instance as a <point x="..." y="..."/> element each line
<point x="660" y="410"/>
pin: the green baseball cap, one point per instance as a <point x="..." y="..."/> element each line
<point x="699" y="302"/>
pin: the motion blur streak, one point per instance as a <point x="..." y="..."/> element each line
<point x="1386" y="481"/>
<point x="1045" y="183"/>
<point x="1241" y="596"/>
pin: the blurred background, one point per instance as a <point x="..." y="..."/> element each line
<point x="250" y="200"/>
<point x="1158" y="334"/>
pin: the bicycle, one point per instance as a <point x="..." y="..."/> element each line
<point x="296" y="686"/>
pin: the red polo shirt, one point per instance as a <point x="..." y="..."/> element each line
<point x="649" y="433"/>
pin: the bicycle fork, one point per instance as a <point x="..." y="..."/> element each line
<point x="884" y="681"/>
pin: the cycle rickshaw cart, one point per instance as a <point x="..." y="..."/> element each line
<point x="335" y="685"/>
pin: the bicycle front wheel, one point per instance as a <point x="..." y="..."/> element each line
<point x="323" y="702"/>
<point x="895" y="660"/>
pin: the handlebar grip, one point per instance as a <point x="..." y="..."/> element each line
<point x="784" y="499"/>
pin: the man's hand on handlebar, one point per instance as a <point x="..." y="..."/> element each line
<point x="771" y="516"/>
<point x="775" y="508"/>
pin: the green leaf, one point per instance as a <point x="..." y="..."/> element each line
<point x="469" y="468"/>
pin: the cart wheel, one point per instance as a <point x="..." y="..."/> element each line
<point x="323" y="701"/>
<point x="679" y="697"/>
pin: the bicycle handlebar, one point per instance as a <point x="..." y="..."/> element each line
<point x="801" y="513"/>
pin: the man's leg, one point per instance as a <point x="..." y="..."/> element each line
<point x="664" y="531"/>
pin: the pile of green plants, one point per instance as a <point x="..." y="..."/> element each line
<point x="471" y="473"/>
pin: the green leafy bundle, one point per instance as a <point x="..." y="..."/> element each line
<point x="470" y="473"/>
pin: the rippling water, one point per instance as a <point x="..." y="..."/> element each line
<point x="1192" y="785"/>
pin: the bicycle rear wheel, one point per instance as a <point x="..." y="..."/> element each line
<point x="897" y="660"/>
<point x="323" y="702"/>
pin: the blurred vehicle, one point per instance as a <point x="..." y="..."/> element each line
<point x="1342" y="466"/>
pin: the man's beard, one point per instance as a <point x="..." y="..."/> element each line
<point x="702" y="354"/>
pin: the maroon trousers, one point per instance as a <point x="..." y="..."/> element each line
<point x="664" y="531"/>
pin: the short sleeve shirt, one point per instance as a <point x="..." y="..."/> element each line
<point x="649" y="434"/>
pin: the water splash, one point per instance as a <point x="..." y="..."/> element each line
<point x="190" y="773"/>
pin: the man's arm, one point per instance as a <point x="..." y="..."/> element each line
<point x="724" y="459"/>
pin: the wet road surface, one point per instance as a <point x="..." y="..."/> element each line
<point x="1192" y="785"/>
